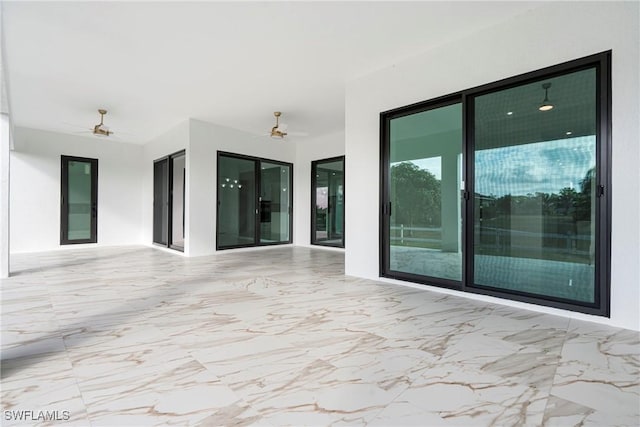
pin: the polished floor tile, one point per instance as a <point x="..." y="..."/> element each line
<point x="136" y="336"/>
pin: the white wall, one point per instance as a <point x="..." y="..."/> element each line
<point x="5" y="156"/>
<point x="35" y="189"/>
<point x="172" y="141"/>
<point x="205" y="140"/>
<point x="548" y="35"/>
<point x="6" y="144"/>
<point x="308" y="150"/>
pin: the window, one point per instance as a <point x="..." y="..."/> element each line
<point x="79" y="200"/>
<point x="255" y="200"/>
<point x="327" y="202"/>
<point x="169" y="180"/>
<point x="504" y="189"/>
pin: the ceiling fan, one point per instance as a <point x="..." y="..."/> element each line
<point x="280" y="130"/>
<point x="100" y="129"/>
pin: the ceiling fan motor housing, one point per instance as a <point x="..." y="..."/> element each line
<point x="101" y="129"/>
<point x="275" y="131"/>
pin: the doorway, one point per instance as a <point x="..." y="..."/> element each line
<point x="327" y="202"/>
<point x="504" y="189"/>
<point x="254" y="199"/>
<point x="79" y="200"/>
<point x="169" y="184"/>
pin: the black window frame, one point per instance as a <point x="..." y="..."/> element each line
<point x="64" y="197"/>
<point x="314" y="182"/>
<point x="601" y="305"/>
<point x="258" y="185"/>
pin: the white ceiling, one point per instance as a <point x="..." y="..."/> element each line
<point x="155" y="64"/>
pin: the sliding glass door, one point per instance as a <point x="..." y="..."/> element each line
<point x="254" y="201"/>
<point x="535" y="188"/>
<point x="327" y="202"/>
<point x="169" y="183"/>
<point x="423" y="225"/>
<point x="161" y="201"/>
<point x="237" y="208"/>
<point x="275" y="206"/>
<point x="178" y="184"/>
<point x="504" y="189"/>
<point x="79" y="200"/>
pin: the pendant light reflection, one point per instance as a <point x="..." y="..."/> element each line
<point x="546" y="104"/>
<point x="229" y="183"/>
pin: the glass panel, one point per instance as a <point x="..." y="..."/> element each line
<point x="177" y="205"/>
<point x="329" y="203"/>
<point x="426" y="179"/>
<point x="79" y="196"/>
<point x="535" y="188"/>
<point x="160" y="201"/>
<point x="236" y="202"/>
<point x="274" y="202"/>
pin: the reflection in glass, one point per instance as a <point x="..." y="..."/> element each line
<point x="79" y="200"/>
<point x="236" y="202"/>
<point x="275" y="194"/>
<point x="328" y="202"/>
<point x="426" y="179"/>
<point x="534" y="199"/>
<point x="178" y="177"/>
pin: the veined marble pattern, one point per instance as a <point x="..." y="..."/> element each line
<point x="134" y="336"/>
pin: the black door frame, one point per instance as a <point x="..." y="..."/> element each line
<point x="314" y="183"/>
<point x="257" y="161"/>
<point x="385" y="192"/>
<point x="64" y="200"/>
<point x="601" y="306"/>
<point x="169" y="204"/>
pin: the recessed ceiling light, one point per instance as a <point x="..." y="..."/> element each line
<point x="509" y="113"/>
<point x="569" y="132"/>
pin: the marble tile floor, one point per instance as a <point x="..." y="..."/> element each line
<point x="134" y="336"/>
